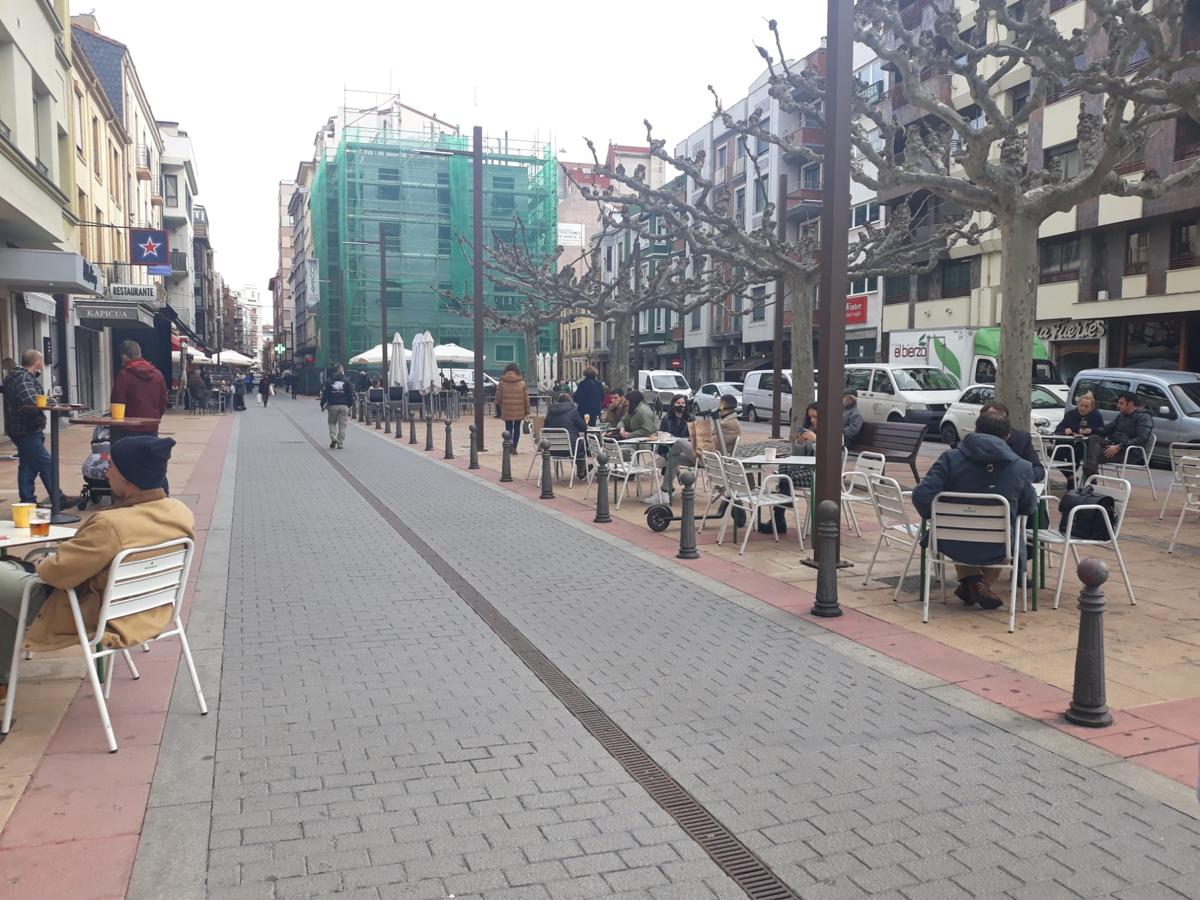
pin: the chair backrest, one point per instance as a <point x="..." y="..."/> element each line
<point x="1179" y="451"/>
<point x="613" y="449"/>
<point x="1040" y="447"/>
<point x="594" y="446"/>
<point x="1150" y="445"/>
<point x="735" y="477"/>
<point x="1117" y="488"/>
<point x="711" y="461"/>
<point x="560" y="441"/>
<point x="970" y="519"/>
<point x="870" y="463"/>
<point x="890" y="505"/>
<point x="1187" y="473"/>
<point x="732" y="450"/>
<point x="143" y="578"/>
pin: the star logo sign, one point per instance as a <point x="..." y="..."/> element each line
<point x="149" y="248"/>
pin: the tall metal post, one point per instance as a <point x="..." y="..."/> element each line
<point x="477" y="272"/>
<point x="835" y="227"/>
<point x="383" y="341"/>
<point x="1089" y="707"/>
<point x="777" y="348"/>
<point x="826" y="541"/>
<point x="449" y="454"/>
<point x="412" y="428"/>
<point x="428" y="431"/>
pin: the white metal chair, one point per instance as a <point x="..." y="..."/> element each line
<point x="1051" y="538"/>
<point x="856" y="484"/>
<point x="1188" y="473"/>
<point x="981" y="519"/>
<point x="561" y="450"/>
<point x="1141" y="462"/>
<point x="714" y="479"/>
<point x="1177" y="451"/>
<point x="139" y="579"/>
<point x="639" y="465"/>
<point x="891" y="509"/>
<point x="743" y="496"/>
<point x="536" y="439"/>
<point x="1061" y="459"/>
<point x="594" y="449"/>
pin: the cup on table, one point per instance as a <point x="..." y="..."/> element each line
<point x="40" y="526"/>
<point x="769" y="454"/>
<point x="117" y="410"/>
<point x="21" y="513"/>
<point x="665" y="437"/>
<point x="41" y="400"/>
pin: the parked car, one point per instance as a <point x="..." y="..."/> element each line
<point x="1047" y="411"/>
<point x="891" y="393"/>
<point x="709" y="396"/>
<point x="1172" y="398"/>
<point x="658" y="386"/>
<point x="758" y="395"/>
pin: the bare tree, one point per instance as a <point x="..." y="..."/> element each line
<point x="1126" y="65"/>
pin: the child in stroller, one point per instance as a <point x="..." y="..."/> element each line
<point x="95" y="469"/>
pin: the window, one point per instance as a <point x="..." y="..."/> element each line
<point x="1187" y="138"/>
<point x="96" y="158"/>
<point x="968" y="38"/>
<point x="505" y="353"/>
<point x="1066" y="157"/>
<point x="608" y="262"/>
<point x="443" y="237"/>
<point x="896" y="289"/>
<point x="722" y="153"/>
<point x="974" y="116"/>
<point x="114" y="178"/>
<point x="1139" y="58"/>
<point x="985" y="372"/>
<point x="761" y="145"/>
<point x="956" y="278"/>
<point x="864" y="213"/>
<point x="1018" y="97"/>
<point x="758" y="304"/>
<point x="171" y="190"/>
<point x="858" y="379"/>
<point x="810" y="177"/>
<point x="391" y="235"/>
<point x="1067" y="90"/>
<point x="761" y="186"/>
<point x="503" y="201"/>
<point x="1137" y="252"/>
<point x="80" y="130"/>
<point x="864" y="285"/>
<point x="507" y="236"/>
<point x="1060" y="260"/>
<point x="389" y="184"/>
<point x="1185" y="244"/>
<point x="739" y="203"/>
<point x="1153" y="399"/>
<point x="443" y="188"/>
<point x="739" y="148"/>
<point x="881" y="383"/>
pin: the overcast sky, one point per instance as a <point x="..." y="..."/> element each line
<point x="252" y="81"/>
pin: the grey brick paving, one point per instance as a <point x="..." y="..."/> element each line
<point x="353" y="674"/>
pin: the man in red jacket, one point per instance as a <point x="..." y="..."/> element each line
<point x="140" y="386"/>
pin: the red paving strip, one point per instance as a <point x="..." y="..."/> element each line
<point x="1170" y="750"/>
<point x="74" y="832"/>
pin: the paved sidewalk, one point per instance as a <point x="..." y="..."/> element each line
<point x="376" y="739"/>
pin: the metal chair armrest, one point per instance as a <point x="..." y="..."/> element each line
<point x="777" y="477"/>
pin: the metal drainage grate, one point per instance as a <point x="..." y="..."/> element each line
<point x="733" y="857"/>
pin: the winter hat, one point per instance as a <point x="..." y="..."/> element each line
<point x="142" y="459"/>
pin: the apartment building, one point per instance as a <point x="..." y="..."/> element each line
<point x="1119" y="277"/>
<point x="178" y="192"/>
<point x="303" y="282"/>
<point x="280" y="284"/>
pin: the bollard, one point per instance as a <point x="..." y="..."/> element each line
<point x="399" y="414"/>
<point x="449" y="454"/>
<point x="1088" y="705"/>
<point x="602" y="514"/>
<point x="474" y="464"/>
<point x="547" y="476"/>
<point x="377" y="416"/>
<point x="506" y="459"/>
<point x="428" y="432"/>
<point x="412" y="429"/>
<point x="687" y="517"/>
<point x="827" y="552"/>
<point x="387" y="418"/>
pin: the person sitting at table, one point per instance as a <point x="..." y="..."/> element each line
<point x="197" y="388"/>
<point x="731" y="428"/>
<point x="1080" y="422"/>
<point x="616" y="410"/>
<point x="144" y="516"/>
<point x="639" y="420"/>
<point x="852" y="420"/>
<point x="1131" y="428"/>
<point x="1018" y="441"/>
<point x="805" y="441"/>
<point x="982" y="463"/>
<point x="563" y="413"/>
<point x="676" y="421"/>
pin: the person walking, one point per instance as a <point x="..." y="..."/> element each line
<point x="264" y="388"/>
<point x="27" y="427"/>
<point x="337" y="396"/>
<point x="143" y="390"/>
<point x="512" y="399"/>
<point x="589" y="396"/>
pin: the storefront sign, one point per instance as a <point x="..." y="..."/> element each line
<point x="114" y="313"/>
<point x="147" y="246"/>
<point x="856" y="310"/>
<point x="570" y="234"/>
<point x="144" y="293"/>
<point x="1075" y="330"/>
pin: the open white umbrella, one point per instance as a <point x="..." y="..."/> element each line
<point x="398" y="362"/>
<point x="374" y="356"/>
<point x="452" y="355"/>
<point x="230" y="358"/>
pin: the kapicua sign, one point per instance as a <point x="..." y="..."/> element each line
<point x="138" y="293"/>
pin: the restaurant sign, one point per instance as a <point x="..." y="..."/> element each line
<point x="1073" y="330"/>
<point x="136" y="293"/>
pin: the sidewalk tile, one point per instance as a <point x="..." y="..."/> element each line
<point x="99" y="869"/>
<point x="1179" y="763"/>
<point x="1143" y="740"/>
<point x="53" y="814"/>
<point x="1182" y="716"/>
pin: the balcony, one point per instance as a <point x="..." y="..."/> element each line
<point x="911" y="15"/>
<point x="739" y="168"/>
<point x="807" y="136"/>
<point x="1187" y="151"/>
<point x="200" y="224"/>
<point x="726" y="324"/>
<point x="145" y="171"/>
<point x="897" y="96"/>
<point x="718" y="176"/>
<point x="179" y="264"/>
<point x="1191" y="42"/>
<point x="804" y="202"/>
<point x="1183" y="262"/>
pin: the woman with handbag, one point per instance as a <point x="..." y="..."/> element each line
<point x="512" y="399"/>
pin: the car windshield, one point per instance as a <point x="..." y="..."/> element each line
<point x="924" y="380"/>
<point x="729" y="387"/>
<point x="1187" y="395"/>
<point x="1045" y="372"/>
<point x="1043" y="399"/>
<point x="669" y="382"/>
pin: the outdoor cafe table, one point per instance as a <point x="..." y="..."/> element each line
<point x="12" y="537"/>
<point x="57" y="411"/>
<point x="808" y="462"/>
<point x="653" y="441"/>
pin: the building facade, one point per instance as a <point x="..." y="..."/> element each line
<point x="281" y="283"/>
<point x="178" y="191"/>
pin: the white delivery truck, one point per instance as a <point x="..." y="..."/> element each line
<point x="969" y="354"/>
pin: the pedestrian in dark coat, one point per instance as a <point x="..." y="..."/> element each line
<point x="264" y="388"/>
<point x="589" y="395"/>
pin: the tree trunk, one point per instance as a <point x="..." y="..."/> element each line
<point x="800" y="287"/>
<point x="531" y="353"/>
<point x="1014" y="375"/>
<point x="618" y="351"/>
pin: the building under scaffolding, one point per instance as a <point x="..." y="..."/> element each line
<point x="409" y="181"/>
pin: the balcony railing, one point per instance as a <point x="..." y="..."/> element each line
<point x="1058" y="277"/>
<point x="739" y="167"/>
<point x="933" y="72"/>
<point x="1183" y="262"/>
<point x="1056" y="5"/>
<point x="1129" y="168"/>
<point x="718" y="176"/>
<point x="1191" y="42"/>
<point x="1137" y="268"/>
<point x="897" y="95"/>
<point x="911" y="15"/>
<point x="804" y="195"/>
<point x="807" y="136"/>
<point x="144" y="170"/>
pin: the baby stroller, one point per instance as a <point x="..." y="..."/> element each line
<point x="95" y="469"/>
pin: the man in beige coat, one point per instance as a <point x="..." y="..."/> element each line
<point x="143" y="516"/>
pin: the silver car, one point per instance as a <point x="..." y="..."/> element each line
<point x="1171" y="398"/>
<point x="709" y="396"/>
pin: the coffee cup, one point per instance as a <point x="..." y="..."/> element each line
<point x="117" y="410"/>
<point x="769" y="454"/>
<point x="21" y="513"/>
<point x="40" y="400"/>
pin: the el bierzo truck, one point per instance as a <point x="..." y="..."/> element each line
<point x="969" y="354"/>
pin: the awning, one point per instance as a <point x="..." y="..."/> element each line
<point x="108" y="312"/>
<point x="51" y="271"/>
<point x="749" y="365"/>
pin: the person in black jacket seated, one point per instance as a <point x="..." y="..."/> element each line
<point x="676" y="421"/>
<point x="1081" y="421"/>
<point x="563" y="413"/>
<point x="1131" y="428"/>
<point x="1018" y="441"/>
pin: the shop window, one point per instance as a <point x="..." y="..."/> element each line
<point x="956" y="278"/>
<point x="1137" y="252"/>
<point x="1059" y="260"/>
<point x="1185" y="244"/>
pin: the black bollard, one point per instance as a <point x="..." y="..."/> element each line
<point x="602" y="514"/>
<point x="687" y="517"/>
<point x="1088" y="705"/>
<point x="449" y="454"/>
<point x="399" y="414"/>
<point x="412" y="429"/>
<point x="827" y="552"/>
<point x="387" y="419"/>
<point x="547" y="476"/>
<point x="428" y="432"/>
<point x="474" y="464"/>
<point x="506" y="459"/>
<point x="375" y="414"/>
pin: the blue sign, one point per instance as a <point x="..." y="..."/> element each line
<point x="147" y="247"/>
<point x="159" y="270"/>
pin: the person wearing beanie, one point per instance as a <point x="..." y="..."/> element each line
<point x="142" y="517"/>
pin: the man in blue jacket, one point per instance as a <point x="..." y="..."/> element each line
<point x="983" y="463"/>
<point x="589" y="396"/>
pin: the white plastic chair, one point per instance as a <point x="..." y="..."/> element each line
<point x="714" y="478"/>
<point x="594" y="449"/>
<point x="1177" y="451"/>
<point x="561" y="450"/>
<point x="1051" y="538"/>
<point x="981" y="519"/>
<point x="891" y="509"/>
<point x="639" y="465"/>
<point x="750" y="499"/>
<point x="856" y="484"/>
<point x="139" y="579"/>
<point x="1187" y="470"/>
<point x="536" y="434"/>
<point x="1061" y="459"/>
<point x="1142" y="462"/>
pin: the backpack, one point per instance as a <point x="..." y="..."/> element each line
<point x="1089" y="523"/>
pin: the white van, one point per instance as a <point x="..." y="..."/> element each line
<point x="758" y="398"/>
<point x="891" y="393"/>
<point x="658" y="386"/>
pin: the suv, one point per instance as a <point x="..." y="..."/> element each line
<point x="1171" y="398"/>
